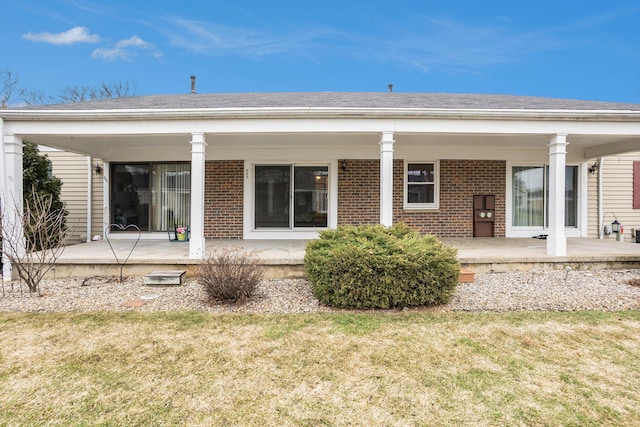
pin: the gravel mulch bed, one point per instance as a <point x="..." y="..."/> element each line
<point x="605" y="290"/>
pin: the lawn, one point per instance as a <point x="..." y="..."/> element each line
<point x="427" y="369"/>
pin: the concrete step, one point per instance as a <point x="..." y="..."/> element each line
<point x="165" y="277"/>
<point x="466" y="276"/>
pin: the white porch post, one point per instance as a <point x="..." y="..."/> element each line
<point x="386" y="179"/>
<point x="12" y="203"/>
<point x="6" y="273"/>
<point x="198" y="154"/>
<point x="106" y="197"/>
<point x="557" y="240"/>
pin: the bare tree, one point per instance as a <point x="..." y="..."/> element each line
<point x="11" y="93"/>
<point x="22" y="234"/>
<point x="104" y="91"/>
<point x="37" y="97"/>
<point x="8" y="88"/>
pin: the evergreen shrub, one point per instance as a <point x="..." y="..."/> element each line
<point x="378" y="267"/>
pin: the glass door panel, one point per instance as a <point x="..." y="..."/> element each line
<point x="571" y="197"/>
<point x="310" y="196"/>
<point x="171" y="204"/>
<point x="528" y="196"/>
<point x="272" y="196"/>
<point x="130" y="195"/>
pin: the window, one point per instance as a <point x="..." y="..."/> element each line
<point x="530" y="196"/>
<point x="276" y="208"/>
<point x="152" y="196"/>
<point x="421" y="185"/>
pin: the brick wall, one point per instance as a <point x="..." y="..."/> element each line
<point x="223" y="199"/>
<point x="359" y="192"/>
<point x="460" y="180"/>
<point x="359" y="196"/>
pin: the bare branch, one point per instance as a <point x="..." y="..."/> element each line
<point x="23" y="238"/>
<point x="8" y="88"/>
<point x="33" y="97"/>
<point x="104" y="91"/>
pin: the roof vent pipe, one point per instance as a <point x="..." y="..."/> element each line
<point x="390" y="86"/>
<point x="193" y="84"/>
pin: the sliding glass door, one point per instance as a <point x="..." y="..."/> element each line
<point x="290" y="196"/>
<point x="171" y="191"/>
<point x="530" y="194"/>
<point x="152" y="196"/>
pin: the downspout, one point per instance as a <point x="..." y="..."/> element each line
<point x="89" y="197"/>
<point x="3" y="165"/>
<point x="600" y="199"/>
<point x="6" y="266"/>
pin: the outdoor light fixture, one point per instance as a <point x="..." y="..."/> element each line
<point x="593" y="168"/>
<point x="344" y="165"/>
<point x="97" y="169"/>
<point x="615" y="226"/>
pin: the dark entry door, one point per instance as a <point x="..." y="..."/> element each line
<point x="484" y="215"/>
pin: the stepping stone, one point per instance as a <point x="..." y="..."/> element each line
<point x="165" y="278"/>
<point x="466" y="276"/>
<point x="134" y="303"/>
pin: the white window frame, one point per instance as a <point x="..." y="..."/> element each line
<point x="436" y="186"/>
<point x="249" y="230"/>
<point x="580" y="230"/>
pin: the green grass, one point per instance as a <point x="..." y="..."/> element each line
<point x="333" y="369"/>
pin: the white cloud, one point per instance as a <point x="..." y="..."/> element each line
<point x="72" y="36"/>
<point x="126" y="49"/>
<point x="423" y="44"/>
<point x="212" y="38"/>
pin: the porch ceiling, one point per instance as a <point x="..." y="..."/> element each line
<point x="164" y="147"/>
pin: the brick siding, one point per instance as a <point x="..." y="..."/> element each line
<point x="359" y="192"/>
<point x="223" y="199"/>
<point x="460" y="180"/>
<point x="359" y="196"/>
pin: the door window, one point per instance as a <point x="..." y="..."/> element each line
<point x="290" y="196"/>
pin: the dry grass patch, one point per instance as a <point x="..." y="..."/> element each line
<point x="338" y="369"/>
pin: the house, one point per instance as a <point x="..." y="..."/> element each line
<point x="286" y="165"/>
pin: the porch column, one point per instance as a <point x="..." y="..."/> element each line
<point x="198" y="154"/>
<point x="12" y="203"/>
<point x="557" y="240"/>
<point x="386" y="179"/>
<point x="106" y="197"/>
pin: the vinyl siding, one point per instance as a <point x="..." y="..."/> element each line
<point x="617" y="195"/>
<point x="72" y="170"/>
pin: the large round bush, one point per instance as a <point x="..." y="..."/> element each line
<point x="378" y="267"/>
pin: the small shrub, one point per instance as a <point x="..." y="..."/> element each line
<point x="229" y="275"/>
<point x="378" y="267"/>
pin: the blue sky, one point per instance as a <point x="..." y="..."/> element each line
<point x="567" y="49"/>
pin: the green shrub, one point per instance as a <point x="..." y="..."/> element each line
<point x="378" y="267"/>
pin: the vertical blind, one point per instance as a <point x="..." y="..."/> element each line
<point x="171" y="183"/>
<point x="530" y="185"/>
<point x="528" y="196"/>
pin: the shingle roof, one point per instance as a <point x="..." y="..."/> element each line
<point x="355" y="100"/>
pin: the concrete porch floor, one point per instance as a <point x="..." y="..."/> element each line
<point x="284" y="257"/>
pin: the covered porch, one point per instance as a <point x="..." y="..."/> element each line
<point x="377" y="158"/>
<point x="284" y="258"/>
